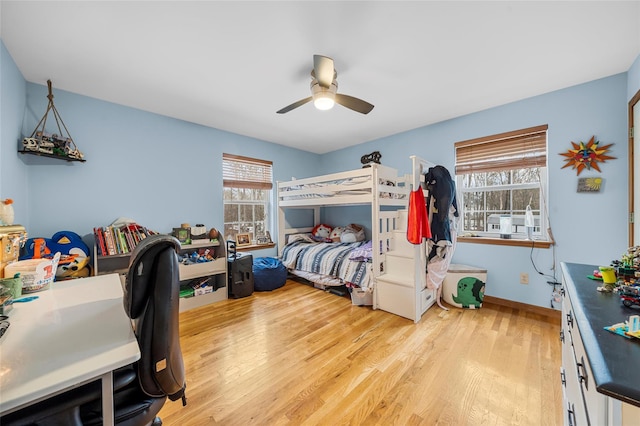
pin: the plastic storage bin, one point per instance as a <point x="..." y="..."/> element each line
<point x="36" y="274"/>
<point x="361" y="297"/>
<point x="464" y="286"/>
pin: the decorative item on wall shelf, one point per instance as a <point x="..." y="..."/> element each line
<point x="53" y="145"/>
<point x="592" y="184"/>
<point x="183" y="234"/>
<point x="368" y="159"/>
<point x="587" y="156"/>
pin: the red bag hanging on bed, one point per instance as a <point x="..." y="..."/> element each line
<point x="418" y="221"/>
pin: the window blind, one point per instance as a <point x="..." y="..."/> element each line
<point x="245" y="172"/>
<point x="511" y="150"/>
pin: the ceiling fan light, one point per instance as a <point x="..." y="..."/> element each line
<point x="324" y="101"/>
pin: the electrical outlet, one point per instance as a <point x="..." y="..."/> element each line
<point x="524" y="278"/>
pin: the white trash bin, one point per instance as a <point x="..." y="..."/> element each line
<point x="464" y="286"/>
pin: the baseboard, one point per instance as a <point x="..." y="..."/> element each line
<point x="552" y="314"/>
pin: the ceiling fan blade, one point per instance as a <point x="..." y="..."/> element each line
<point x="294" y="105"/>
<point x="355" y="104"/>
<point x="324" y="71"/>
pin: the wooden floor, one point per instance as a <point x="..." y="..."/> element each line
<point x="299" y="355"/>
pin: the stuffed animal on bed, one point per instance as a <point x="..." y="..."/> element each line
<point x="352" y="233"/>
<point x="321" y="232"/>
<point x="336" y="233"/>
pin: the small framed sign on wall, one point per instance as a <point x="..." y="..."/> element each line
<point x="590" y="184"/>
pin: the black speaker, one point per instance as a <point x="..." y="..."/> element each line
<point x="240" y="272"/>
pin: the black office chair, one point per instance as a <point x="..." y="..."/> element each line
<point x="151" y="300"/>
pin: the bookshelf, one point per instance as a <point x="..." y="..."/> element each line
<point x="213" y="273"/>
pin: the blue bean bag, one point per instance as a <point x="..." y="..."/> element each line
<point x="268" y="274"/>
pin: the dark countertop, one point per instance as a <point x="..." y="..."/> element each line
<point x="614" y="359"/>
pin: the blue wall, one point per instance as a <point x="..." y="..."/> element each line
<point x="588" y="228"/>
<point x="162" y="172"/>
<point x="14" y="177"/>
<point x="159" y="171"/>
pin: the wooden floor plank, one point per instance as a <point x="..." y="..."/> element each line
<point x="299" y="355"/>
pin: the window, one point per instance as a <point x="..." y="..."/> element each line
<point x="247" y="196"/>
<point x="498" y="177"/>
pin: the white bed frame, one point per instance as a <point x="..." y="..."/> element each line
<point x="396" y="289"/>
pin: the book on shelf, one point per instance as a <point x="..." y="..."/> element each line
<point x="113" y="240"/>
<point x="124" y="249"/>
<point x="100" y="244"/>
<point x="108" y="238"/>
<point x="131" y="242"/>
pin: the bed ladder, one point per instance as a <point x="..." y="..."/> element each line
<point x="400" y="287"/>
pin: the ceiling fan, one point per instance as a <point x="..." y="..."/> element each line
<point x="324" y="87"/>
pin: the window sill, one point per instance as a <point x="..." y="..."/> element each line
<point x="255" y="247"/>
<point x="506" y="242"/>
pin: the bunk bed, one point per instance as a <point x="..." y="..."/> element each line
<point x="377" y="186"/>
<point x="395" y="269"/>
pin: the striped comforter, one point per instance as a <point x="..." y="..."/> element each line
<point x="328" y="259"/>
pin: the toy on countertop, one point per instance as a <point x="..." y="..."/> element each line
<point x="609" y="279"/>
<point x="628" y="329"/>
<point x="630" y="295"/>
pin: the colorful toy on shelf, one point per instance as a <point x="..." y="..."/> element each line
<point x="74" y="253"/>
<point x="197" y="256"/>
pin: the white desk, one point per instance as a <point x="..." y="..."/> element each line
<point x="74" y="333"/>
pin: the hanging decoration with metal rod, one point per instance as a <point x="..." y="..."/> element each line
<point x="55" y="145"/>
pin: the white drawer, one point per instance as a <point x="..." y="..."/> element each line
<point x="427" y="298"/>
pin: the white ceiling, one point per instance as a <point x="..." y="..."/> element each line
<point x="232" y="65"/>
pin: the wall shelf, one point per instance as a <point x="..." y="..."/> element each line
<point x="57" y="157"/>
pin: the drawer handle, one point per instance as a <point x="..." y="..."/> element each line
<point x="571" y="415"/>
<point x="570" y="319"/>
<point x="562" y="292"/>
<point x="583" y="377"/>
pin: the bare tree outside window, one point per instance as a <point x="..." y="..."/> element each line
<point x="502" y="175"/>
<point x="246" y="196"/>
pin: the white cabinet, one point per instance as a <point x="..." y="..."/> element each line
<point x="583" y="405"/>
<point x="586" y="348"/>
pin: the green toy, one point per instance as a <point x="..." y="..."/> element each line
<point x="470" y="293"/>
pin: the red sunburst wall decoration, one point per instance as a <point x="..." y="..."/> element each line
<point x="587" y="156"/>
